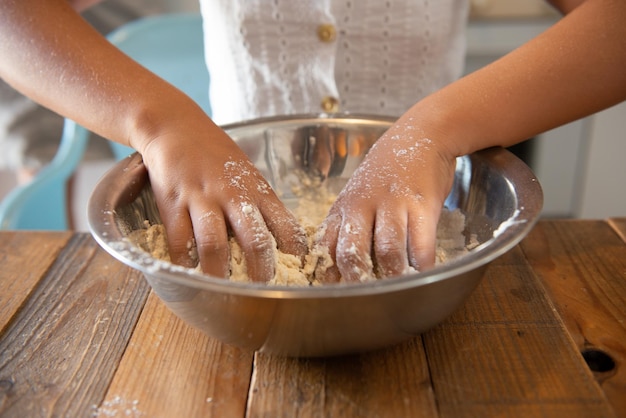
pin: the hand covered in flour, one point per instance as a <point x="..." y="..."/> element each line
<point x="384" y="221"/>
<point x="206" y="188"/>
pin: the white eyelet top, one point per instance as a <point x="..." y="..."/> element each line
<point x="278" y="57"/>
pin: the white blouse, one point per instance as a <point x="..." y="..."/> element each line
<point x="277" y="57"/>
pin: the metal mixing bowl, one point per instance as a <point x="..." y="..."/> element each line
<point x="496" y="191"/>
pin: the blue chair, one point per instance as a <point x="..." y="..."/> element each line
<point x="169" y="45"/>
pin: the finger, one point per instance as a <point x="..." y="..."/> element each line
<point x="211" y="237"/>
<point x="134" y="178"/>
<point x="354" y="246"/>
<point x="177" y="224"/>
<point x="289" y="234"/>
<point x="256" y="241"/>
<point x="422" y="235"/>
<point x="180" y="238"/>
<point x="324" y="248"/>
<point x="390" y="243"/>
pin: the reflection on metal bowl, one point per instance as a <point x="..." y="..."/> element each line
<point x="497" y="192"/>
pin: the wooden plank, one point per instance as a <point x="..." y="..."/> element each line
<point x="582" y="264"/>
<point x="18" y="250"/>
<point x="506" y="351"/>
<point x="393" y="382"/>
<point x="173" y="370"/>
<point x="58" y="355"/>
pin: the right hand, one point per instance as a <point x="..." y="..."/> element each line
<point x="206" y="188"/>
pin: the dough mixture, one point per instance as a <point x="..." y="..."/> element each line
<point x="314" y="203"/>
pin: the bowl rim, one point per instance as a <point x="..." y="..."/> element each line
<point x="102" y="226"/>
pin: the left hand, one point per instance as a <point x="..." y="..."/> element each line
<point x="384" y="222"/>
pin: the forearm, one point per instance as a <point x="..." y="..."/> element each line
<point x="572" y="70"/>
<point x="49" y="53"/>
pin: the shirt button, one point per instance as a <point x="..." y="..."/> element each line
<point x="330" y="104"/>
<point x="326" y="33"/>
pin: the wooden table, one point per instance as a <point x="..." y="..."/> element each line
<point x="82" y="335"/>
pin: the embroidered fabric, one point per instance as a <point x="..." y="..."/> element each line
<point x="278" y="57"/>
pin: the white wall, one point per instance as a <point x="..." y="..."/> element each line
<point x="603" y="185"/>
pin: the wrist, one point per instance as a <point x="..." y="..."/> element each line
<point x="177" y="116"/>
<point x="434" y="123"/>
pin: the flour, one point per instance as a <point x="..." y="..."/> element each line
<point x="314" y="203"/>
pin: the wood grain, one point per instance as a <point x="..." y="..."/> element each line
<point x="582" y="265"/>
<point x="393" y="382"/>
<point x="36" y="253"/>
<point x="59" y="354"/>
<point x="82" y="335"/>
<point x="173" y="370"/>
<point x="507" y="352"/>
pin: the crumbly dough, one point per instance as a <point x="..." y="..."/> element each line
<point x="289" y="270"/>
<point x="314" y="203"/>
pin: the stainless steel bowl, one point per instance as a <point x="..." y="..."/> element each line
<point x="497" y="192"/>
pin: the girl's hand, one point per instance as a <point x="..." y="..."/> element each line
<point x="384" y="221"/>
<point x="206" y="188"/>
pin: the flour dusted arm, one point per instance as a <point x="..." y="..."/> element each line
<point x="204" y="184"/>
<point x="391" y="206"/>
